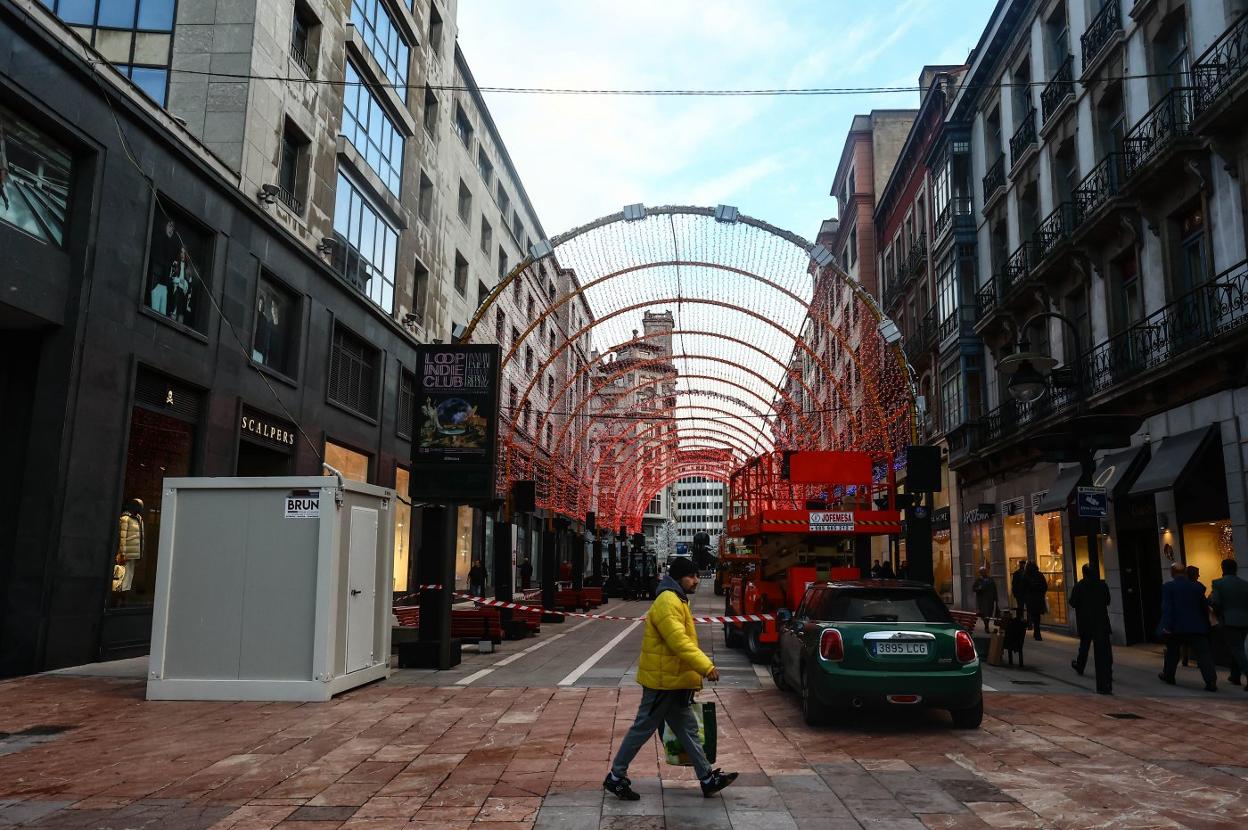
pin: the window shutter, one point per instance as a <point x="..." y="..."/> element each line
<point x="353" y="374"/>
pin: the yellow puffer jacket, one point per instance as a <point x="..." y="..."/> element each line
<point x="670" y="657"/>
<point x="129" y="536"/>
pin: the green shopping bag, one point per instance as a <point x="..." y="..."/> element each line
<point x="704" y="713"/>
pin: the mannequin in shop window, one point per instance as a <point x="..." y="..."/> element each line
<point x="130" y="545"/>
<point x="180" y="292"/>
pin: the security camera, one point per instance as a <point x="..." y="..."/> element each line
<point x="327" y="245"/>
<point x="411" y="319"/>
<point x="268" y="194"/>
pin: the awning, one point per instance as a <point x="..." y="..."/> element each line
<point x="1117" y="470"/>
<point x="1171" y="461"/>
<point x="1060" y="490"/>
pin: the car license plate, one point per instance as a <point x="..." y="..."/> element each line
<point x="905" y="648"/>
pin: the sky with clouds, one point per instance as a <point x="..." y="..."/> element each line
<point x="581" y="157"/>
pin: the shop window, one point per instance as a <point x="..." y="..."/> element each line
<point x="463" y="546"/>
<point x="353" y="373"/>
<point x="275" y="343"/>
<point x="179" y="267"/>
<point x="161" y="445"/>
<point x="1014" y="535"/>
<point x="1051" y="561"/>
<point x="1205" y="545"/>
<point x="353" y="465"/>
<point x="402" y="528"/>
<point x="34" y="180"/>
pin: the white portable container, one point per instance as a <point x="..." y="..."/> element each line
<point x="271" y="588"/>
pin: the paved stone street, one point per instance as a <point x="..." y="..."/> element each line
<point x="522" y="738"/>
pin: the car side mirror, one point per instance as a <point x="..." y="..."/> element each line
<point x="784" y="616"/>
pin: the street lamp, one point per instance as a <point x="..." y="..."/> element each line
<point x="1026" y="383"/>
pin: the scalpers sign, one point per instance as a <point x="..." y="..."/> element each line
<point x="263" y="429"/>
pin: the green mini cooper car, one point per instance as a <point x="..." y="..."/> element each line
<point x="877" y="643"/>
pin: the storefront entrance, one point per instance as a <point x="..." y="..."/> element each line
<point x="266" y="445"/>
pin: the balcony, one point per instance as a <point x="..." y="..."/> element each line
<point x="1017" y="268"/>
<point x="1024" y="138"/>
<point x="1052" y="234"/>
<point x="958" y="214"/>
<point x="288" y="199"/>
<point x="1098" y="189"/>
<point x="1104" y="28"/>
<point x="1059" y="89"/>
<point x="1220" y="77"/>
<point x="1212" y="310"/>
<point x="917" y="258"/>
<point x="994" y="179"/>
<point x="1163" y="129"/>
<point x="986" y="299"/>
<point x="955" y="322"/>
<point x="919" y="344"/>
<point x="1195" y="322"/>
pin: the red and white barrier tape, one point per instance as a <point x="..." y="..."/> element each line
<point x="498" y="603"/>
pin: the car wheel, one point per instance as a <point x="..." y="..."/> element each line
<point x="811" y="712"/>
<point x="777" y="673"/>
<point x="732" y="637"/>
<point x="968" y="718"/>
<point x="754" y="648"/>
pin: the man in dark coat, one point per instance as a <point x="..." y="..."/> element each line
<point x="1018" y="588"/>
<point x="985" y="591"/>
<point x="1185" y="622"/>
<point x="1037" y="588"/>
<point x="1090" y="600"/>
<point x="526" y="574"/>
<point x="1230" y="602"/>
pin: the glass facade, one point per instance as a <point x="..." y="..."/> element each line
<point x="382" y="37"/>
<point x="402" y="529"/>
<point x="367" y="245"/>
<point x="1051" y="560"/>
<point x="34" y="179"/>
<point x="135" y="36"/>
<point x="374" y="135"/>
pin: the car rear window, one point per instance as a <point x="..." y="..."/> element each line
<point x="883" y="605"/>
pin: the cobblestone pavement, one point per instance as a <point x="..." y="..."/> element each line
<point x="89" y="752"/>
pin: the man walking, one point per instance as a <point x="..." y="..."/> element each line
<point x="1185" y="622"/>
<point x="671" y="670"/>
<point x="1018" y="588"/>
<point x="1090" y="599"/>
<point x="985" y="591"/>
<point x="1037" y="604"/>
<point x="1230" y="602"/>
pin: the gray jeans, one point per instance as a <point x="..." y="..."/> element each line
<point x="657" y="707"/>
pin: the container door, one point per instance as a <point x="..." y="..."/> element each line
<point x="361" y="588"/>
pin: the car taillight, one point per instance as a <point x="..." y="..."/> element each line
<point x="964" y="647"/>
<point x="831" y="646"/>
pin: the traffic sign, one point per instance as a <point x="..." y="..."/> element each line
<point x="1093" y="502"/>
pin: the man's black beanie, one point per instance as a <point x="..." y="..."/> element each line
<point x="680" y="566"/>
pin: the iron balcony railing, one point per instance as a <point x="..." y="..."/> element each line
<point x="300" y="57"/>
<point x="1024" y="136"/>
<point x="1106" y="24"/>
<point x="917" y="257"/>
<point x="1222" y="64"/>
<point x="1054" y="230"/>
<point x="986" y="298"/>
<point x="927" y="328"/>
<point x="288" y="199"/>
<point x="1060" y="87"/>
<point x="994" y="179"/>
<point x="1102" y="183"/>
<point x="1169" y="119"/>
<point x="952" y="323"/>
<point x="1212" y="309"/>
<point x="1017" y="267"/>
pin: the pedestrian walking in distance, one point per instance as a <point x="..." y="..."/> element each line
<point x="1230" y="602"/>
<point x="1090" y="600"/>
<point x="985" y="591"/>
<point x="476" y="579"/>
<point x="670" y="672"/>
<point x="1018" y="588"/>
<point x="1037" y="604"/>
<point x="1185" y="622"/>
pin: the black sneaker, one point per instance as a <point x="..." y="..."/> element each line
<point x="1075" y="665"/>
<point x="619" y="787"/>
<point x="716" y="781"/>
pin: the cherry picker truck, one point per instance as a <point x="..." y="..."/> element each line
<point x="799" y="517"/>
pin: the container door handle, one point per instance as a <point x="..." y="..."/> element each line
<point x="356" y="592"/>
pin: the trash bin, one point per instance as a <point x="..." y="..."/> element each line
<point x="271" y="588"/>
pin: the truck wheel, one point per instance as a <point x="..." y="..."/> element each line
<point x="732" y="637"/>
<point x="968" y="718"/>
<point x="754" y="648"/>
<point x="811" y="713"/>
<point x="777" y="673"/>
